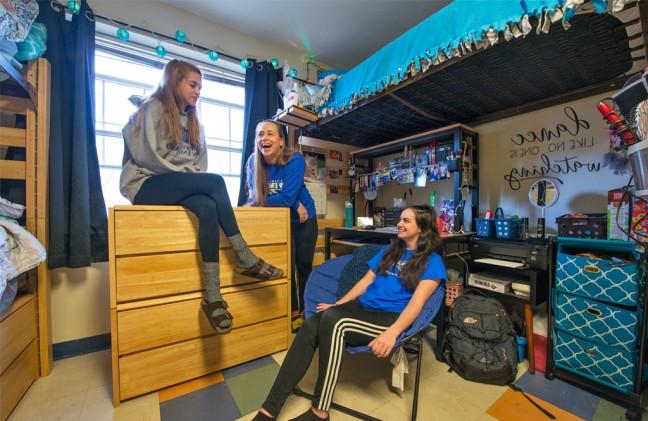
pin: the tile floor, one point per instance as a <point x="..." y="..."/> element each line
<point x="80" y="389"/>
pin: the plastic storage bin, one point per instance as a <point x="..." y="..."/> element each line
<point x="508" y="228"/>
<point x="594" y="225"/>
<point x="485" y="227"/>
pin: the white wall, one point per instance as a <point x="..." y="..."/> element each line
<point x="165" y="19"/>
<point x="565" y="142"/>
<point x="80" y="297"/>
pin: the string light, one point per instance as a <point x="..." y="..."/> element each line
<point x="246" y="64"/>
<point x="122" y="34"/>
<point x="213" y="55"/>
<point x="276" y="64"/>
<point x="293" y="72"/>
<point x="160" y="51"/>
<point x="180" y="36"/>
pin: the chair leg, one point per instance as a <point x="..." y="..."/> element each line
<point x="344" y="409"/>
<point x="419" y="361"/>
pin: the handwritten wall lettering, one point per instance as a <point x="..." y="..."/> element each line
<point x="557" y="149"/>
<point x="545" y="135"/>
<point x="547" y="169"/>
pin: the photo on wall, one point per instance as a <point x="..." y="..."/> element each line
<point x="315" y="165"/>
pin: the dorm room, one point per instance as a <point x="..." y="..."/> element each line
<point x="520" y="123"/>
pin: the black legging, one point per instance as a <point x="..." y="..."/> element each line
<point x="347" y="324"/>
<point x="203" y="194"/>
<point x="304" y="238"/>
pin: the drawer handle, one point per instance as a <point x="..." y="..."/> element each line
<point x="594" y="311"/>
<point x="592" y="269"/>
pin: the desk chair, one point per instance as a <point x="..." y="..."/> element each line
<point x="322" y="288"/>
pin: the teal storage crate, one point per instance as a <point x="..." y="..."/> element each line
<point x="597" y="322"/>
<point x="612" y="280"/>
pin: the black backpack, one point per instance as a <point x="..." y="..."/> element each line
<point x="480" y="340"/>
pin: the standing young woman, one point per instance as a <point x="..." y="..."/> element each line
<point x="382" y="305"/>
<point x="275" y="177"/>
<point x="165" y="159"/>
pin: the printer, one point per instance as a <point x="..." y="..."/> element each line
<point x="532" y="253"/>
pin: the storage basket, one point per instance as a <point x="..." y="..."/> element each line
<point x="452" y="291"/>
<point x="508" y="228"/>
<point x="485" y="227"/>
<point x="594" y="225"/>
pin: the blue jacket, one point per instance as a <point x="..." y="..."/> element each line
<point x="285" y="185"/>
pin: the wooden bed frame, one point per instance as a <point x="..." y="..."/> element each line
<point x="160" y="336"/>
<point x="25" y="330"/>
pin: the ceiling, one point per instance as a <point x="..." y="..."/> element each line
<point x="336" y="33"/>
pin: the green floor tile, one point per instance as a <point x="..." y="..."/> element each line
<point x="251" y="388"/>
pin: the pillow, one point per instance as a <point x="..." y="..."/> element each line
<point x="356" y="268"/>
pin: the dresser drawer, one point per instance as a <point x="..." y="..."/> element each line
<point x="159" y="325"/>
<point x="17" y="329"/>
<point x="612" y="366"/>
<point x="158" y="275"/>
<point x="154" y="369"/>
<point x="159" y="229"/>
<point x="602" y="279"/>
<point x="595" y="321"/>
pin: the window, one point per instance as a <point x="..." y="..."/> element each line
<point x="221" y="108"/>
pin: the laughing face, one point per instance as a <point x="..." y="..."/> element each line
<point x="270" y="142"/>
<point x="408" y="230"/>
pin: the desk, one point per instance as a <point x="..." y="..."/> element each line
<point x="358" y="237"/>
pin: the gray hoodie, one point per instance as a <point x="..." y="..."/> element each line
<point x="147" y="153"/>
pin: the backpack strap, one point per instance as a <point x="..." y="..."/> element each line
<point x="544" y="411"/>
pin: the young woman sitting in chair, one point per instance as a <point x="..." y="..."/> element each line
<point x="382" y="304"/>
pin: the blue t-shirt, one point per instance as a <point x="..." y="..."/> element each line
<point x="387" y="292"/>
<point x="286" y="186"/>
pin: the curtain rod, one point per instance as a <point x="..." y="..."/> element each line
<point x="90" y="15"/>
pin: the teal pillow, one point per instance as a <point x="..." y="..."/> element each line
<point x="34" y="45"/>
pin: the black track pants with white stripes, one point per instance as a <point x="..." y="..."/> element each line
<point x="331" y="330"/>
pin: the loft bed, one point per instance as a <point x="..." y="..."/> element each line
<point x="486" y="68"/>
<point x="25" y="332"/>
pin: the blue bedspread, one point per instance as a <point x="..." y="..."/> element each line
<point x="439" y="36"/>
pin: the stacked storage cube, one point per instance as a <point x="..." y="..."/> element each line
<point x="597" y="311"/>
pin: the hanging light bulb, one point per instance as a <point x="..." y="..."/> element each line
<point x="122" y="34"/>
<point x="213" y="55"/>
<point x="160" y="51"/>
<point x="180" y="36"/>
<point x="246" y="64"/>
<point x="293" y="72"/>
<point x="275" y="63"/>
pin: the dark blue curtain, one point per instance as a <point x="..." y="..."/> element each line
<point x="77" y="214"/>
<point x="262" y="100"/>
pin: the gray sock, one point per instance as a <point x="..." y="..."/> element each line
<point x="211" y="271"/>
<point x="244" y="256"/>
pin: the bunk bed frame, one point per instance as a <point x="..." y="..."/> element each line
<point x="25" y="330"/>
<point x="597" y="54"/>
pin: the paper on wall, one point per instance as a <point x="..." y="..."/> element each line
<point x="318" y="191"/>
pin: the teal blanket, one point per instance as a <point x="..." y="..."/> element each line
<point x="439" y="36"/>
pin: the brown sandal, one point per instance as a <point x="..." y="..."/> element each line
<point x="261" y="270"/>
<point x="215" y="321"/>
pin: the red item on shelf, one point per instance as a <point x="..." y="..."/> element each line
<point x="617" y="124"/>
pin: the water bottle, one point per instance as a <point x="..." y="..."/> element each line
<point x="348" y="214"/>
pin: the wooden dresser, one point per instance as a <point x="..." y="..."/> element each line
<point x="160" y="336"/>
<point x="18" y="352"/>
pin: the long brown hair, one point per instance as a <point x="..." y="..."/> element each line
<point x="173" y="74"/>
<point x="429" y="241"/>
<point x="259" y="195"/>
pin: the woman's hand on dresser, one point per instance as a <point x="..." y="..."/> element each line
<point x="303" y="213"/>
